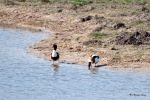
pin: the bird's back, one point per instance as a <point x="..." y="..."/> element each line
<point x="95" y="59"/>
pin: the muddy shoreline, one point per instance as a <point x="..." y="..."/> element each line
<point x="71" y="29"/>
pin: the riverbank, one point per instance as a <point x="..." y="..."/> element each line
<point x="80" y="31"/>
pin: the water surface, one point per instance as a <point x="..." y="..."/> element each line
<point x="25" y="77"/>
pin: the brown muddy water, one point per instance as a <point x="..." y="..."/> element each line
<point x="25" y="77"/>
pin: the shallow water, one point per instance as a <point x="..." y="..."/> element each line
<point x="25" y="77"/>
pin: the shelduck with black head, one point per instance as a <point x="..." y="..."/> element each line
<point x="54" y="54"/>
<point x="94" y="59"/>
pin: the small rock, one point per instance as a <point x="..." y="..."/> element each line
<point x="97" y="29"/>
<point x="90" y="1"/>
<point x="123" y="14"/>
<point x="74" y="7"/>
<point x="113" y="6"/>
<point x="79" y="49"/>
<point x="70" y="48"/>
<point x="59" y="11"/>
<point x="113" y="48"/>
<point x="145" y="9"/>
<point x="119" y="25"/>
<point x="87" y="18"/>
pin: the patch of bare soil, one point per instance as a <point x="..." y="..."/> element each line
<point x="136" y="38"/>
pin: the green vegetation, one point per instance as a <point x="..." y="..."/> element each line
<point x="98" y="35"/>
<point x="79" y="2"/>
<point x="133" y="1"/>
<point x="137" y="23"/>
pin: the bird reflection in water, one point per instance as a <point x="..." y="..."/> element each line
<point x="94" y="70"/>
<point x="55" y="67"/>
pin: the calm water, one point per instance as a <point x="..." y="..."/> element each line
<point x="25" y="77"/>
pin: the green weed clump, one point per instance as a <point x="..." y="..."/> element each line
<point x="98" y="35"/>
<point x="80" y="2"/>
<point x="135" y="1"/>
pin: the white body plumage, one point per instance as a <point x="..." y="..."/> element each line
<point x="54" y="53"/>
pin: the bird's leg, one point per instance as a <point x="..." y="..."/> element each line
<point x="53" y="62"/>
<point x="57" y="62"/>
<point x="89" y="65"/>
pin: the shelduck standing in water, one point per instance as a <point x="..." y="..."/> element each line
<point x="55" y="54"/>
<point x="94" y="59"/>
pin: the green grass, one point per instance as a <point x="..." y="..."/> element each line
<point x="79" y="2"/>
<point x="98" y="35"/>
<point x="137" y="23"/>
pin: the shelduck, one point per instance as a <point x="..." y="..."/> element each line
<point x="54" y="54"/>
<point x="94" y="59"/>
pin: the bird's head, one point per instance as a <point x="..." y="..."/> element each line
<point x="54" y="46"/>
